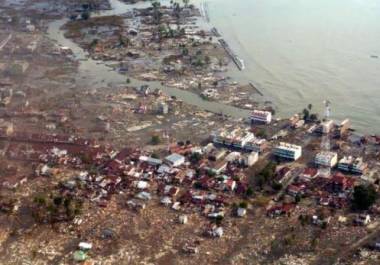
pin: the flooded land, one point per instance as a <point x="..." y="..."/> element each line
<point x="128" y="136"/>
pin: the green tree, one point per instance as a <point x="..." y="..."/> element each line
<point x="94" y="43"/>
<point x="207" y="59"/>
<point x="277" y="186"/>
<point x="156" y="11"/>
<point x="154" y="155"/>
<point x="218" y="220"/>
<point x="249" y="192"/>
<point x="155" y="140"/>
<point x="306" y="114"/>
<point x="313" y="117"/>
<point x="195" y="157"/>
<point x="243" y="204"/>
<point x="364" y="196"/>
<point x="261" y="133"/>
<point x="40" y="200"/>
<point x="58" y="200"/>
<point x="186" y="2"/>
<point x="85" y="15"/>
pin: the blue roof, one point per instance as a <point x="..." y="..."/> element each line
<point x="174" y="158"/>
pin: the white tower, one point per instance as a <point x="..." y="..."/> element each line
<point x="325" y="143"/>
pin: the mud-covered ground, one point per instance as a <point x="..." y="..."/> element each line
<point x="43" y="92"/>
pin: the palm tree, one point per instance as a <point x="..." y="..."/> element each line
<point x="156" y="11"/>
<point x="186" y="2"/>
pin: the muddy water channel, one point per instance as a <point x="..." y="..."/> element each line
<point x="98" y="74"/>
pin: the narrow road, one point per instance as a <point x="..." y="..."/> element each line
<point x="358" y="244"/>
<point x="294" y="173"/>
<point x="349" y="250"/>
<point x="5" y="42"/>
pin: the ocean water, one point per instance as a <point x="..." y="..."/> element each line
<point x="305" y="51"/>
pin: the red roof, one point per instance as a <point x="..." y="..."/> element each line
<point x="343" y="180"/>
<point x="295" y="188"/>
<point x="286" y="207"/>
<point x="283" y="171"/>
<point x="310" y="172"/>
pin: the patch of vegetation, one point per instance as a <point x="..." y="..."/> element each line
<point x="267" y="175"/>
<point x="155" y="140"/>
<point x="308" y="116"/>
<point x="195" y="157"/>
<point x="55" y="208"/>
<point x="243" y="204"/>
<point x="363" y="197"/>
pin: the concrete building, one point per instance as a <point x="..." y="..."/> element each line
<point x="326" y="127"/>
<point x="259" y="116"/>
<point x="251" y="159"/>
<point x="256" y="145"/>
<point x="288" y="151"/>
<point x="150" y="160"/>
<point x="352" y="164"/>
<point x="344" y="126"/>
<point x="237" y="138"/>
<point x="240" y="139"/>
<point x="163" y="108"/>
<point x="174" y="160"/>
<point x="326" y="158"/>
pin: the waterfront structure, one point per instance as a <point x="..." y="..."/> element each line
<point x="326" y="158"/>
<point x="344" y="126"/>
<point x="259" y="116"/>
<point x="352" y="164"/>
<point x="326" y="127"/>
<point x="288" y="151"/>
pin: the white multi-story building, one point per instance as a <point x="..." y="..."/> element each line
<point x="241" y="139"/>
<point x="260" y="116"/>
<point x="251" y="159"/>
<point x="236" y="138"/>
<point x="256" y="145"/>
<point x="352" y="164"/>
<point x="326" y="158"/>
<point x="288" y="151"/>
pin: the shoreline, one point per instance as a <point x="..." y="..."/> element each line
<point x="187" y="95"/>
<point x="289" y="93"/>
<point x="205" y="104"/>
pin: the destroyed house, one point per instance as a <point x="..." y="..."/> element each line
<point x="282" y="174"/>
<point x="205" y="183"/>
<point x="308" y="174"/>
<point x="341" y="183"/>
<point x="279" y="210"/>
<point x="296" y="190"/>
<point x="216" y="167"/>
